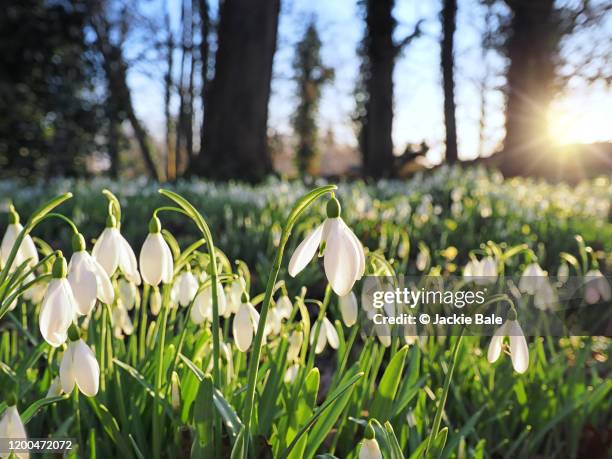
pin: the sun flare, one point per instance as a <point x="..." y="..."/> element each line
<point x="575" y="123"/>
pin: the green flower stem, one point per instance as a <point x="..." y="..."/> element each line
<point x="298" y="209"/>
<point x="142" y="326"/>
<point x="447" y="380"/>
<point x="159" y="359"/>
<point x="70" y="223"/>
<point x="34" y="220"/>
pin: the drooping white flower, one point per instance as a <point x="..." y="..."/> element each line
<point x="519" y="351"/>
<point x="175" y="392"/>
<point x="11" y="426"/>
<point x="202" y="308"/>
<point x="285" y="307"/>
<point x="155" y="301"/>
<point x="295" y="345"/>
<point x="563" y="273"/>
<point x="483" y="272"/>
<point x="343" y="256"/>
<point x="187" y="288"/>
<point x="234" y="296"/>
<point x="156" y="263"/>
<point x="531" y="278"/>
<point x="55" y="388"/>
<point x="27" y="249"/>
<point x="88" y="279"/>
<point x="112" y="251"/>
<point x="348" y="309"/>
<point x="58" y="307"/>
<point x="422" y="259"/>
<point x="369" y="447"/>
<point x="244" y="326"/>
<point x="545" y="296"/>
<point x="128" y="293"/>
<point x="327" y="334"/>
<point x="597" y="287"/>
<point x="273" y="322"/>
<point x="291" y="373"/>
<point x="79" y="366"/>
<point x="121" y="320"/>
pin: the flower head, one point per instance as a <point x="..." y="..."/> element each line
<point x="11" y="425"/>
<point x="88" y="279"/>
<point x="27" y="249"/>
<point x="327" y="334"/>
<point x="187" y="288"/>
<point x="59" y="306"/>
<point x="202" y="308"/>
<point x="348" y="309"/>
<point x="112" y="251"/>
<point x="79" y="366"/>
<point x="519" y="352"/>
<point x="343" y="256"/>
<point x="156" y="263"/>
<point x="370" y="448"/>
<point x="244" y="325"/>
<point x="596" y="287"/>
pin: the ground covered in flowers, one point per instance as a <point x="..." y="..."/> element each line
<point x="346" y="396"/>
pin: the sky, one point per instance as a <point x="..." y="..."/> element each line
<point x="583" y="114"/>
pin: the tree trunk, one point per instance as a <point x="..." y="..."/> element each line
<point x="449" y="14"/>
<point x="170" y="152"/>
<point x="532" y="49"/>
<point x="376" y="132"/>
<point x="204" y="57"/>
<point x="235" y="122"/>
<point x="116" y="73"/>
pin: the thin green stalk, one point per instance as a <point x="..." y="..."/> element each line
<point x="159" y="359"/>
<point x="447" y="380"/>
<point x="142" y="326"/>
<point x="298" y="209"/>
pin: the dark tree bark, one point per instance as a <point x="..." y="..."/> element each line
<point x="235" y="120"/>
<point x="449" y="14"/>
<point x="532" y="48"/>
<point x="380" y="53"/>
<point x="204" y="57"/>
<point x="168" y="82"/>
<point x="377" y="143"/>
<point x="116" y="73"/>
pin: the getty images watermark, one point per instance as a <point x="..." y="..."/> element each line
<point x="435" y="305"/>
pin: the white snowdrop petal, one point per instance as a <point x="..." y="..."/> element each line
<point x="106" y="292"/>
<point x="57" y="312"/>
<point x="340" y="261"/>
<point x="370" y="449"/>
<point x="106" y="250"/>
<point x="151" y="256"/>
<point x="242" y="328"/>
<point x="332" y="334"/>
<point x="495" y="347"/>
<point x="305" y="251"/>
<point x="66" y="372"/>
<point x="83" y="282"/>
<point x="519" y="351"/>
<point x="359" y="249"/>
<point x="127" y="259"/>
<point x="348" y="309"/>
<point x="168" y="263"/>
<point x="86" y="368"/>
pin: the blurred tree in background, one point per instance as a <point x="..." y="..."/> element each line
<point x="374" y="92"/>
<point x="310" y="75"/>
<point x="51" y="114"/>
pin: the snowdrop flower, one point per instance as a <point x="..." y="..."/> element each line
<point x="295" y="344"/>
<point x="112" y="251"/>
<point x="58" y="307"/>
<point x="370" y="448"/>
<point x="187" y="288"/>
<point x="202" y="304"/>
<point x="88" y="279"/>
<point x="531" y="278"/>
<point x="597" y="287"/>
<point x="291" y="373"/>
<point x="422" y="259"/>
<point x="327" y="334"/>
<point x="121" y="320"/>
<point x="55" y="388"/>
<point x="563" y="273"/>
<point x="244" y="326"/>
<point x="175" y="392"/>
<point x="273" y="322"/>
<point x="343" y="256"/>
<point x="11" y="425"/>
<point x="383" y="332"/>
<point x="483" y="272"/>
<point x="348" y="309"/>
<point x="156" y="263"/>
<point x="234" y="297"/>
<point x="27" y="249"/>
<point x="79" y="366"/>
<point x="519" y="352"/>
<point x="155" y="301"/>
<point x="545" y="295"/>
<point x="128" y="293"/>
<point x="285" y="307"/>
